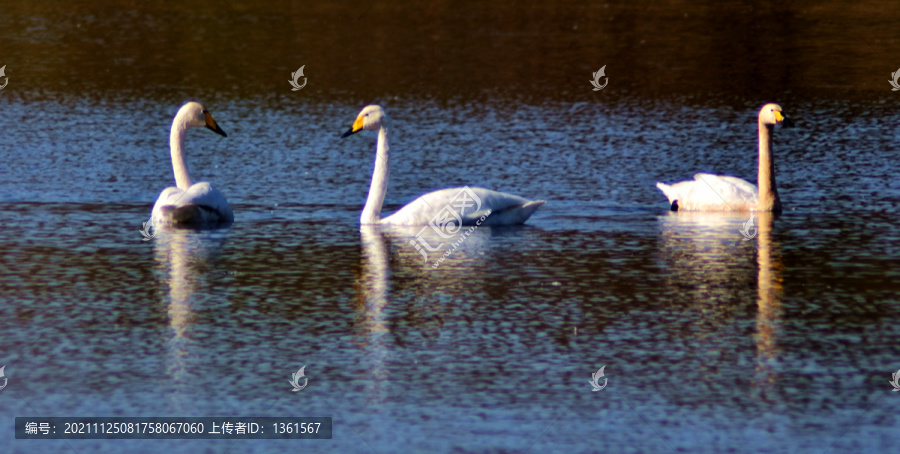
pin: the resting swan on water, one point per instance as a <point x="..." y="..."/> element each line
<point x="497" y="208"/>
<point x="190" y="203"/>
<point x="722" y="193"/>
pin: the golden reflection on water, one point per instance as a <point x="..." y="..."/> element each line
<point x="770" y="311"/>
<point x="708" y="256"/>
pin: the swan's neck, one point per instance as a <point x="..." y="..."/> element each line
<point x="179" y="166"/>
<point x="768" y="194"/>
<point x="372" y="212"/>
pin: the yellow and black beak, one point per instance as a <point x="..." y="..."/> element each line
<point x="211" y="124"/>
<point x="357" y="127"/>
<point x="780" y="119"/>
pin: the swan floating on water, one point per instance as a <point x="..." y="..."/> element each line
<point x="464" y="206"/>
<point x="189" y="203"/>
<point x="723" y="193"/>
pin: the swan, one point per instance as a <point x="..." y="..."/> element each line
<point x="190" y="203"/>
<point x="723" y="193"/>
<point x="476" y="206"/>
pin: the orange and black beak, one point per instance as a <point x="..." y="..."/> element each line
<point x="357" y="127"/>
<point x="211" y="124"/>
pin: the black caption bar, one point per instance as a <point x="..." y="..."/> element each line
<point x="250" y="428"/>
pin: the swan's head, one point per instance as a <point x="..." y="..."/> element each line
<point x="371" y="118"/>
<point x="771" y="114"/>
<point x="194" y="115"/>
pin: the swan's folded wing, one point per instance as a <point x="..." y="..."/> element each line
<point x="200" y="204"/>
<point x="727" y="193"/>
<point x="205" y="195"/>
<point x="469" y="204"/>
<point x="168" y="196"/>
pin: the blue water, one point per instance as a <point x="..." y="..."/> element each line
<point x="491" y="351"/>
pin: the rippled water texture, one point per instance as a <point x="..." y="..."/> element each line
<point x="782" y="343"/>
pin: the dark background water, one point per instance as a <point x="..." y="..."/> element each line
<point x="734" y="52"/>
<point x="784" y="343"/>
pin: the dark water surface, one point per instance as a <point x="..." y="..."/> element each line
<point x="783" y="343"/>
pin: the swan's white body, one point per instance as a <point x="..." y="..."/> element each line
<point x="189" y="203"/>
<point x="709" y="192"/>
<point x="468" y="204"/>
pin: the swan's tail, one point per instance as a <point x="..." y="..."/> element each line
<point x="190" y="214"/>
<point x="528" y="209"/>
<point x="533" y="206"/>
<point x="514" y="215"/>
<point x="670" y="194"/>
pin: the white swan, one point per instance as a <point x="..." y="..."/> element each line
<point x="722" y="193"/>
<point x="190" y="203"/>
<point x="466" y="205"/>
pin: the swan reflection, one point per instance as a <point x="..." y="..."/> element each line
<point x="709" y="257"/>
<point x="371" y="324"/>
<point x="185" y="255"/>
<point x="770" y="295"/>
<point x="432" y="248"/>
<point x="403" y="298"/>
